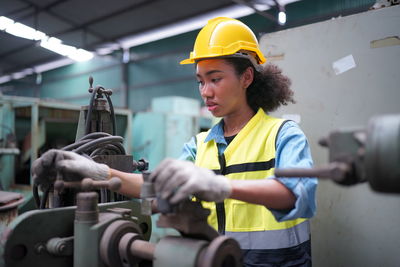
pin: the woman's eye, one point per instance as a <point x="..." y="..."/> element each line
<point x="214" y="80"/>
<point x="201" y="83"/>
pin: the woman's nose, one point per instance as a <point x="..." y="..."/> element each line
<point x="205" y="91"/>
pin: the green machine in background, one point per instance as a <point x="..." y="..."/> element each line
<point x="171" y="122"/>
<point x="30" y="126"/>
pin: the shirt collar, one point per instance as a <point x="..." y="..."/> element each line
<point x="216" y="133"/>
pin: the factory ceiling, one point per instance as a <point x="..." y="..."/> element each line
<point x="90" y="25"/>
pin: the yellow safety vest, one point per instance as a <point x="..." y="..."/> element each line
<point x="250" y="156"/>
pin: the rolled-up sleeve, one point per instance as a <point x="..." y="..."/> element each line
<point x="293" y="151"/>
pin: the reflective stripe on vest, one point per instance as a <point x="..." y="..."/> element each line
<point x="250" y="156"/>
<point x="273" y="239"/>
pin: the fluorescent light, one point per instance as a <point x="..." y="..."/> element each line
<point x="56" y="45"/>
<point x="50" y="43"/>
<point x="23" y="31"/>
<point x="197" y="22"/>
<point x="81" y="55"/>
<point x="282" y="18"/>
<point x="5" y="79"/>
<point x="107" y="48"/>
<point x="5" y="22"/>
<point x="187" y="25"/>
<point x="18" y="75"/>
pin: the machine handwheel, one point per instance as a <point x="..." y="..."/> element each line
<point x="109" y="245"/>
<point x="222" y="252"/>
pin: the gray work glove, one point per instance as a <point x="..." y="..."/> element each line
<point x="175" y="180"/>
<point x="71" y="165"/>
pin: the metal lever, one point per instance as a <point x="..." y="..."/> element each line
<point x="89" y="184"/>
<point x="336" y="171"/>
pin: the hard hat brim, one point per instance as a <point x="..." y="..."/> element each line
<point x="187" y="61"/>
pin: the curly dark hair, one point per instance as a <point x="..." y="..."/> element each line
<point x="270" y="88"/>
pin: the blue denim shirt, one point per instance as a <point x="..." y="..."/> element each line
<point x="292" y="150"/>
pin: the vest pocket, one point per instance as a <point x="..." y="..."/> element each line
<point x="246" y="217"/>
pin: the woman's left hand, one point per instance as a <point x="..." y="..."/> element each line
<point x="176" y="180"/>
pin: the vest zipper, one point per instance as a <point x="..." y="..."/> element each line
<point x="219" y="206"/>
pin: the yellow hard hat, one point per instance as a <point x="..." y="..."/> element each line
<point x="222" y="37"/>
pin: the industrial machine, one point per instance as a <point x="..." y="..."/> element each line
<point x="30" y="126"/>
<point x="361" y="155"/>
<point x="71" y="227"/>
<point x="93" y="234"/>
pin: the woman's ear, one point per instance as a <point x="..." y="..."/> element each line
<point x="248" y="77"/>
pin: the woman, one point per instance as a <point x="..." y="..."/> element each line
<point x="234" y="161"/>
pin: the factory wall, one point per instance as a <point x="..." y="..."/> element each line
<point x="344" y="72"/>
<point x="155" y="71"/>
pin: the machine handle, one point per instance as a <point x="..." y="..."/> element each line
<point x="89" y="184"/>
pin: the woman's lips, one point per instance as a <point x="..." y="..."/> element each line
<point x="211" y="106"/>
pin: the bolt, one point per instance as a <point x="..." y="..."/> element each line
<point x="40" y="248"/>
<point x="61" y="248"/>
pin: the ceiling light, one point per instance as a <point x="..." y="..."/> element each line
<point x="23" y="31"/>
<point x="5" y="22"/>
<point x="50" y="43"/>
<point x="184" y="26"/>
<point x="282" y="17"/>
<point x="5" y="79"/>
<point x="81" y="55"/>
<point x="55" y="45"/>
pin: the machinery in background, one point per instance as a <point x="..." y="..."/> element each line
<point x="170" y="123"/>
<point x="95" y="138"/>
<point x="362" y="155"/>
<point x="30" y="126"/>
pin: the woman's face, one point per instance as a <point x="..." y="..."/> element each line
<point x="223" y="91"/>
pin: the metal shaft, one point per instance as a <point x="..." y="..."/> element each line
<point x="336" y="171"/>
<point x="143" y="249"/>
<point x="86" y="215"/>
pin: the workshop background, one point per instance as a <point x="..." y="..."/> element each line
<point x="343" y="58"/>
